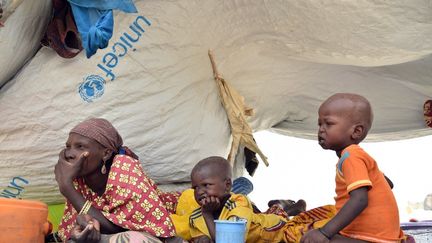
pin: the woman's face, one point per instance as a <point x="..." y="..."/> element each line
<point x="78" y="144"/>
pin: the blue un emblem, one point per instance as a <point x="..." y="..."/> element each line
<point x="92" y="88"/>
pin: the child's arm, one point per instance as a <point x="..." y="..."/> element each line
<point x="210" y="205"/>
<point x="353" y="207"/>
<point x="357" y="202"/>
<point x="210" y="225"/>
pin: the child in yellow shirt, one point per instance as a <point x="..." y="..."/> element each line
<point x="211" y="184"/>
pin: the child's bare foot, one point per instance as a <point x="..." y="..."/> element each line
<point x="296" y="208"/>
<point x="283" y="203"/>
<point x="291" y="207"/>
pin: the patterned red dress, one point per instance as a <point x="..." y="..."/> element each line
<point x="131" y="200"/>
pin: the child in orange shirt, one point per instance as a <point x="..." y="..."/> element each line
<point x="366" y="207"/>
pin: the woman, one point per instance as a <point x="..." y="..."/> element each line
<point x="106" y="190"/>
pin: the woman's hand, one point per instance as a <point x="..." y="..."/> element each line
<point x="87" y="229"/>
<point x="66" y="171"/>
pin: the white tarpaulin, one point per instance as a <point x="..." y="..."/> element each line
<point x="24" y="25"/>
<point x="155" y="83"/>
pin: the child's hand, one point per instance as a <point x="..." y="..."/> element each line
<point x="210" y="204"/>
<point x="87" y="229"/>
<point x="202" y="239"/>
<point x="314" y="236"/>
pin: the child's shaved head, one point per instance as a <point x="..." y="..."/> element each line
<point x="214" y="165"/>
<point x="355" y="106"/>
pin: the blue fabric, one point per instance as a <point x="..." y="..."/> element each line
<point x="242" y="185"/>
<point x="95" y="21"/>
<point x="122" y="151"/>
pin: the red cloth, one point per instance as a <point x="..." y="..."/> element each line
<point x="131" y="200"/>
<point x="62" y="34"/>
<point x="427" y="111"/>
<point x="1" y="15"/>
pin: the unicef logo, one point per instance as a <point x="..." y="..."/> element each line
<point x="92" y="88"/>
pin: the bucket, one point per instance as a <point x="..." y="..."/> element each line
<point x="23" y="221"/>
<point x="230" y="231"/>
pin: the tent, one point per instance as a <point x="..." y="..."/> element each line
<point x="155" y="82"/>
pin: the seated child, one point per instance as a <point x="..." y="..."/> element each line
<point x="366" y="207"/>
<point x="211" y="181"/>
<point x="211" y="184"/>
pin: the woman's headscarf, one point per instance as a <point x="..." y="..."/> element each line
<point x="102" y="131"/>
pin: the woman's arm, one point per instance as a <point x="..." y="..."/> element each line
<point x="77" y="201"/>
<point x="65" y="172"/>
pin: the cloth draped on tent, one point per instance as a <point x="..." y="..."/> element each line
<point x="95" y="21"/>
<point x="7" y="7"/>
<point x="427" y="111"/>
<point x="62" y="34"/>
<point x="236" y="111"/>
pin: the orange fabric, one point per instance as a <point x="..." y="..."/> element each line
<point x="314" y="218"/>
<point x="379" y="222"/>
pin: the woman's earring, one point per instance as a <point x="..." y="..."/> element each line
<point x="103" y="169"/>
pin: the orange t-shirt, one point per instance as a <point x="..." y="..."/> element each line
<point x="379" y="221"/>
